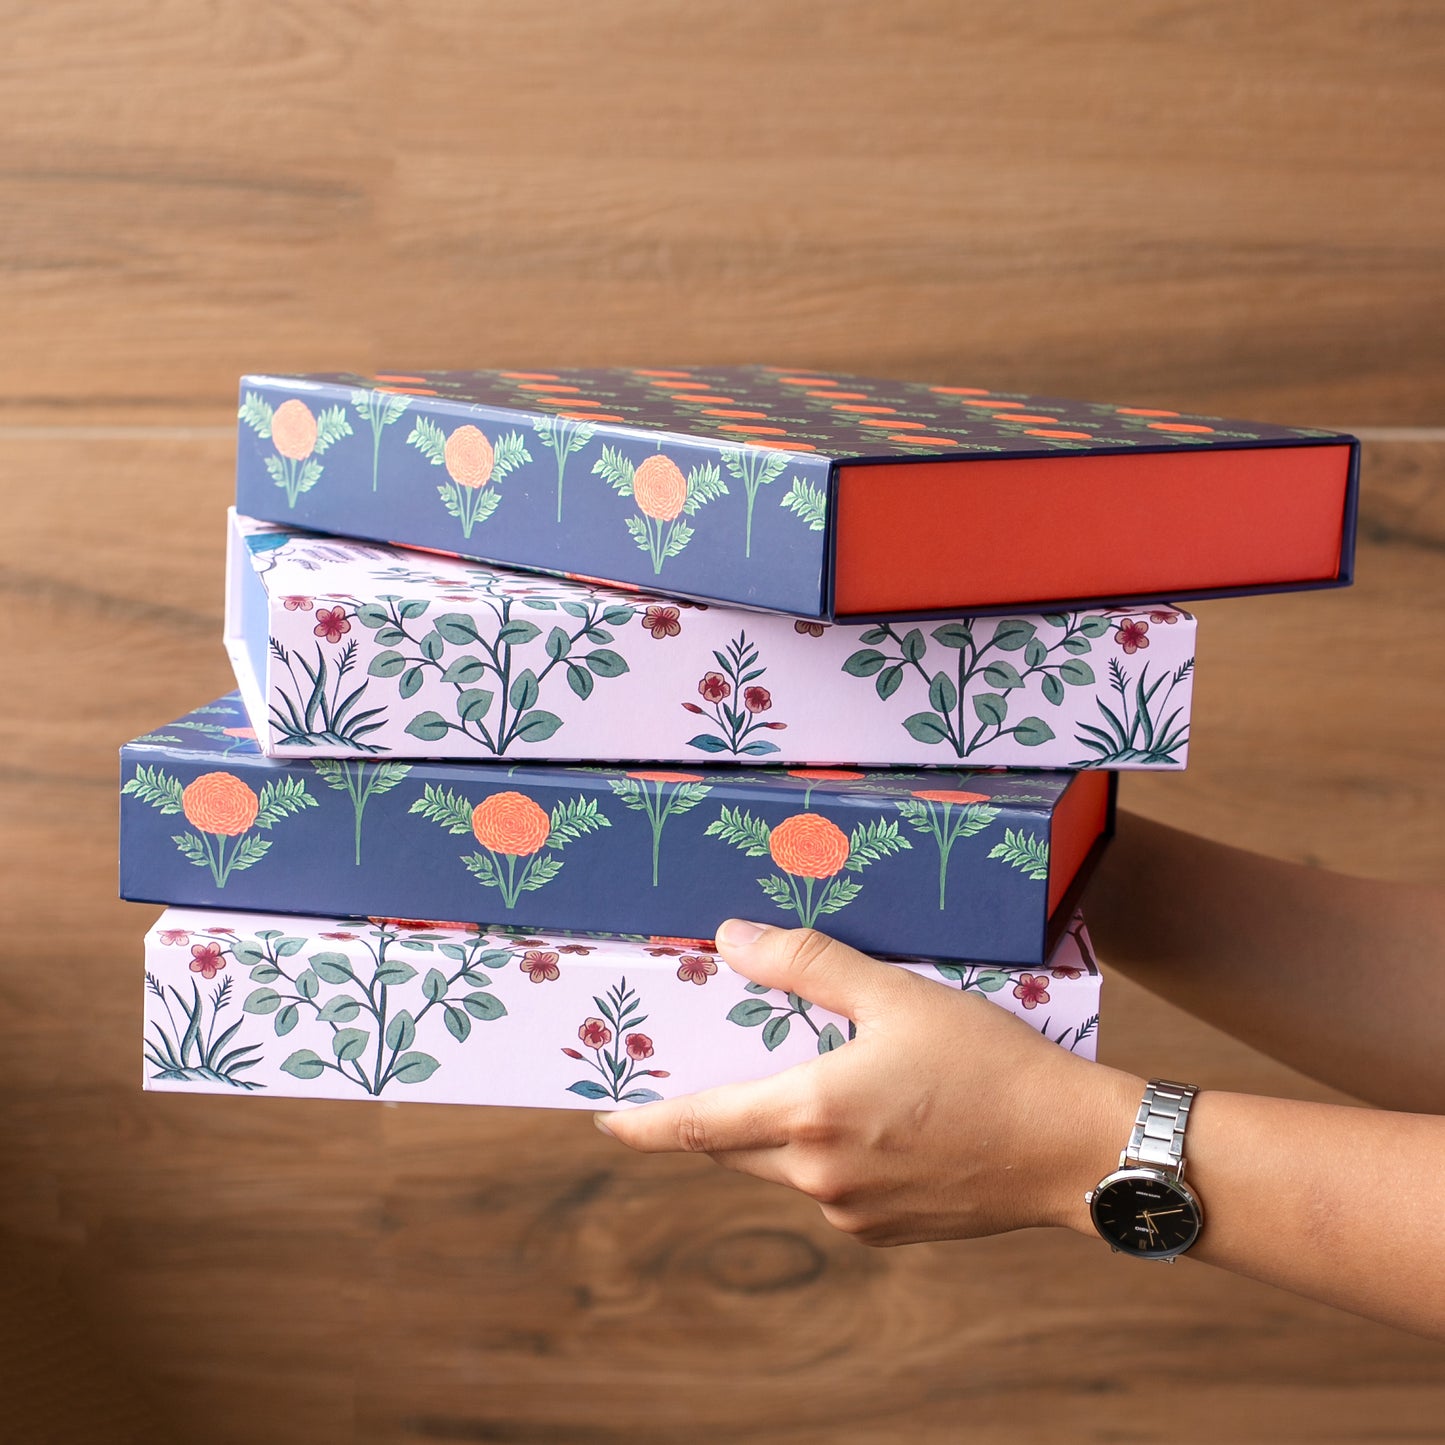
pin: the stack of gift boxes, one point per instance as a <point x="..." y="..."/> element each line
<point x="868" y="658"/>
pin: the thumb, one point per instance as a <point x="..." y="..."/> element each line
<point x="814" y="966"/>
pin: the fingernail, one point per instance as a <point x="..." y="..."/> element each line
<point x="600" y="1120"/>
<point x="739" y="933"/>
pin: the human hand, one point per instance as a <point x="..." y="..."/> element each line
<point x="945" y="1118"/>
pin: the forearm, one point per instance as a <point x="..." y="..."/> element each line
<point x="1334" y="1203"/>
<point x="1340" y="977"/>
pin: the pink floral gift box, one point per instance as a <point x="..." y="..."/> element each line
<point x="346" y="649"/>
<point x="336" y="1008"/>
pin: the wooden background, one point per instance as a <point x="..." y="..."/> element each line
<point x="1214" y="206"/>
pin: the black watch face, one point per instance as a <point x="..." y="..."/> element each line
<point x="1141" y="1214"/>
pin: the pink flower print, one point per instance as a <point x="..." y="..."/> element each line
<point x="331" y="623"/>
<point x="595" y="1034"/>
<point x="714" y="687"/>
<point x="1066" y="970"/>
<point x="696" y="968"/>
<point x="804" y="628"/>
<point x="336" y="935"/>
<point x="206" y="959"/>
<point x="663" y="952"/>
<point x="757" y="699"/>
<point x="221" y="930"/>
<point x="1132" y="634"/>
<point x="1167" y="618"/>
<point x="174" y="936"/>
<point x="572" y="1053"/>
<point x="540" y="966"/>
<point x="1032" y="990"/>
<point x="580" y="948"/>
<point x="297" y="604"/>
<point x="639" y="1046"/>
<point x="662" y="622"/>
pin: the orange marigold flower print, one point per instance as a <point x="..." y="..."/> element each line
<point x="659" y="488"/>
<point x="639" y="1046"/>
<point x="540" y="966"/>
<point x="1032" y="990"/>
<point x="469" y="457"/>
<point x="714" y="687"/>
<point x="695" y="968"/>
<point x="594" y="1033"/>
<point x="808" y="846"/>
<point x="662" y="622"/>
<point x="293" y="430"/>
<point x="331" y="623"/>
<point x="220" y="803"/>
<point x="949" y="795"/>
<point x="206" y="959"/>
<point x="510" y="823"/>
<point x="660" y="776"/>
<point x="826" y="775"/>
<point x="1132" y="635"/>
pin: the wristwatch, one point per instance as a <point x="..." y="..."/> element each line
<point x="1144" y="1207"/>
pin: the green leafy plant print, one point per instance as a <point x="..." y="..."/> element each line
<point x="472" y="463"/>
<point x="754" y="469"/>
<point x="1139" y="732"/>
<point x="320" y="710"/>
<point x="360" y="782"/>
<point x="736" y="699"/>
<point x="776" y="1019"/>
<point x="496" y="692"/>
<point x="660" y="795"/>
<point x="969" y="693"/>
<point x="1030" y="989"/>
<point x="299" y="436"/>
<point x="378" y="409"/>
<point x="813" y="853"/>
<point x="518" y="837"/>
<point x="1025" y="851"/>
<point x="807" y="502"/>
<point x="382" y="1052"/>
<point x="191" y="1051"/>
<point x="224" y="810"/>
<point x="616" y="1049"/>
<point x="663" y="497"/>
<point x="946" y="815"/>
<point x="562" y="436"/>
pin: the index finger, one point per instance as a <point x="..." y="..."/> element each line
<point x="750" y="1115"/>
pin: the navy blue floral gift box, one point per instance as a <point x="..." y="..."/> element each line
<point x="983" y="865"/>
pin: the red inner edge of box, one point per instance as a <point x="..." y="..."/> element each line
<point x="1080" y="816"/>
<point x="951" y="535"/>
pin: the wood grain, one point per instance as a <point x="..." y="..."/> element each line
<point x="1219" y="206"/>
<point x="289" y="1270"/>
<point x="1215" y="206"/>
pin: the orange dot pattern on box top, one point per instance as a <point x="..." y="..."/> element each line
<point x="220" y="803"/>
<point x="808" y="846"/>
<point x="511" y="823"/>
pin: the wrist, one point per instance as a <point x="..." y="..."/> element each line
<point x="1097" y="1129"/>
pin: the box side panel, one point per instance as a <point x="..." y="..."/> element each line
<point x="724" y="520"/>
<point x="924" y="536"/>
<point x="463" y="1017"/>
<point x="903" y="869"/>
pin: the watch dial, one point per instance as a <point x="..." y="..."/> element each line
<point x="1145" y="1216"/>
